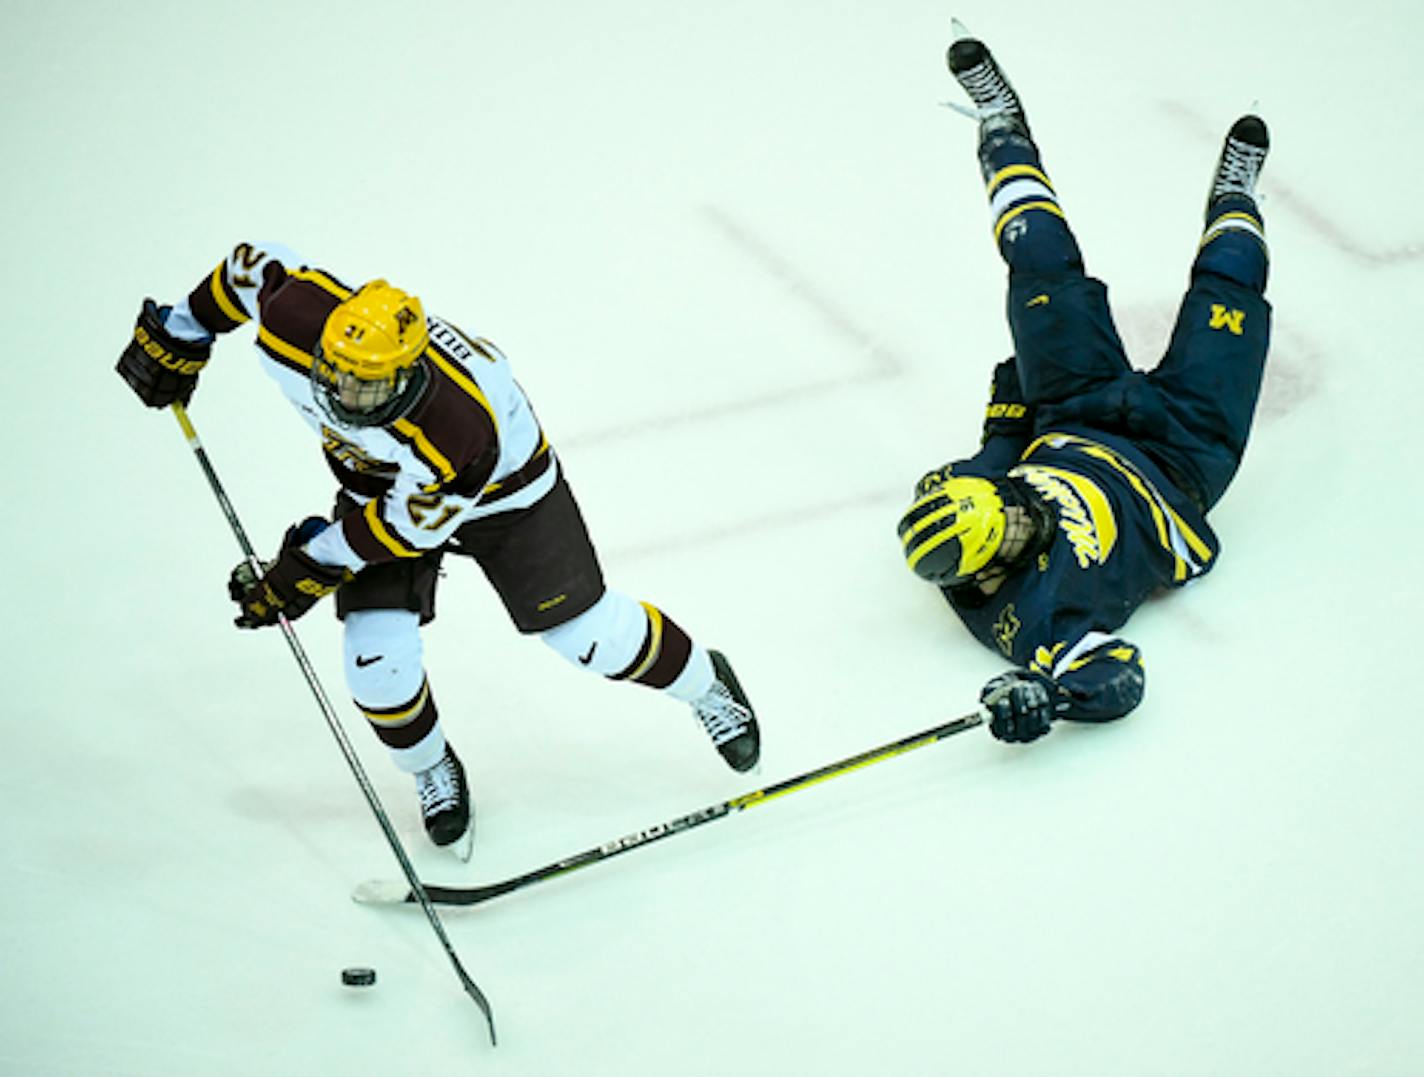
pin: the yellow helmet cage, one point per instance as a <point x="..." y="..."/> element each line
<point x="376" y="333"/>
<point x="953" y="530"/>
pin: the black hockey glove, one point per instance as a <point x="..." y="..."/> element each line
<point x="1022" y="705"/>
<point x="290" y="585"/>
<point x="158" y="367"/>
<point x="1007" y="415"/>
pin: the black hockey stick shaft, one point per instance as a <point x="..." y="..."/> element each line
<point x="476" y="895"/>
<point x="417" y="890"/>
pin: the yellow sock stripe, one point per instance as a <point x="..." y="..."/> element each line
<point x="400" y="717"/>
<point x="226" y="305"/>
<point x="1016" y="172"/>
<point x="1024" y="207"/>
<point x="1234" y="222"/>
<point x="383" y="535"/>
<point x="655" y="640"/>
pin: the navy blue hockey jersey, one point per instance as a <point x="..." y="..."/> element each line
<point x="1123" y="531"/>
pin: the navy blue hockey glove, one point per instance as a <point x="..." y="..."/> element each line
<point x="289" y="586"/>
<point x="1007" y="414"/>
<point x="1022" y="705"/>
<point x="158" y="367"/>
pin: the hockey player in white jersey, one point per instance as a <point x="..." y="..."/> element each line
<point x="436" y="450"/>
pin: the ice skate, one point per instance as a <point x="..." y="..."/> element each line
<point x="726" y="714"/>
<point x="1243" y="155"/>
<point x="445" y="805"/>
<point x="996" y="106"/>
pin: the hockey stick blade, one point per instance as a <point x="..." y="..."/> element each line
<point x="394" y="892"/>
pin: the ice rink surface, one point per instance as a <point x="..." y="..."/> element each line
<point x="739" y="257"/>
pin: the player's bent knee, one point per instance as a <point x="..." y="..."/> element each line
<point x="384" y="654"/>
<point x="605" y="637"/>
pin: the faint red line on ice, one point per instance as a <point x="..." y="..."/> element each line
<point x="1281" y="194"/>
<point x="1328" y="230"/>
<point x="880" y="361"/>
<point x="883" y="360"/>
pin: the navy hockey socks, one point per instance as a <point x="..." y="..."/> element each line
<point x="1234" y="243"/>
<point x="1029" y="226"/>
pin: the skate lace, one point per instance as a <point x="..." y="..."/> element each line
<point x="721" y="715"/>
<point x="987" y="87"/>
<point x="1240" y="165"/>
<point x="438" y="787"/>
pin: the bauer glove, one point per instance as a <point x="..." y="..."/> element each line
<point x="1007" y="414"/>
<point x="1022" y="705"/>
<point x="158" y="367"/>
<point x="288" y="586"/>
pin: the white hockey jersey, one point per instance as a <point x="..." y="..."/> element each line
<point x="468" y="446"/>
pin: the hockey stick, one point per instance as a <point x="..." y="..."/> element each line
<point x="391" y="892"/>
<point x="417" y="891"/>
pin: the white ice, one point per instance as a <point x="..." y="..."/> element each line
<point x="739" y="256"/>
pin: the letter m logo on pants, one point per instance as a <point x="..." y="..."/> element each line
<point x="1221" y="318"/>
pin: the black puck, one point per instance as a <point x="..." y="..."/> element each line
<point x="357" y="977"/>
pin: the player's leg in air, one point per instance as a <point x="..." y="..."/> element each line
<point x="1210" y="378"/>
<point x="1063" y="331"/>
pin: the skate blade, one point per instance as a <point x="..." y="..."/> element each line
<point x="464" y="845"/>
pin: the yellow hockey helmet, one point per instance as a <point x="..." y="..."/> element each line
<point x="953" y="529"/>
<point x="367" y="354"/>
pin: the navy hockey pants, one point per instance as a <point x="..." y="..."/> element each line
<point x="1192" y="413"/>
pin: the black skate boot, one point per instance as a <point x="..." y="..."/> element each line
<point x="996" y="105"/>
<point x="1233" y="243"/>
<point x="726" y="714"/>
<point x="1243" y="155"/>
<point x="445" y="804"/>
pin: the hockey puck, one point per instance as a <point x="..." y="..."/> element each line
<point x="356" y="977"/>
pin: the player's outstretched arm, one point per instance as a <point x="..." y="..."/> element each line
<point x="1101" y="679"/>
<point x="172" y="343"/>
<point x="158" y="366"/>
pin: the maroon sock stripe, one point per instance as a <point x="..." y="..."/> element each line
<point x="664" y="653"/>
<point x="406" y="725"/>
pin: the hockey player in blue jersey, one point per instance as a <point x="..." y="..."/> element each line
<point x="1092" y="481"/>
